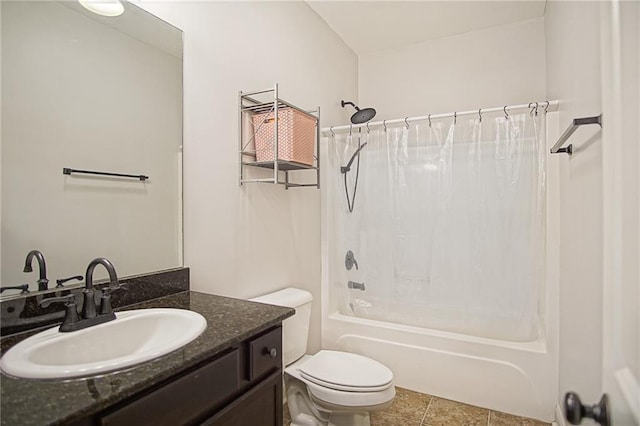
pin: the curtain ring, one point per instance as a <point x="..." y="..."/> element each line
<point x="384" y="124"/>
<point x="368" y="129"/>
<point x="536" y="113"/>
<point x="406" y="122"/>
<point x="429" y="118"/>
<point x="506" y="114"/>
<point x="480" y="114"/>
<point x="455" y="117"/>
<point x="547" y="106"/>
<point x="333" y="135"/>
<point x="529" y="106"/>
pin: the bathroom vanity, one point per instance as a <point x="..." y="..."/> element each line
<point x="231" y="374"/>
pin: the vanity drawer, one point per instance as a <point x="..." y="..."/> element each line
<point x="184" y="399"/>
<point x="265" y="353"/>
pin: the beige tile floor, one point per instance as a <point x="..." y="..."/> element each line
<point x="418" y="409"/>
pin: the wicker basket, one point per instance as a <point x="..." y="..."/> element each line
<point x="296" y="136"/>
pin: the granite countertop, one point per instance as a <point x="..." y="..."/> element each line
<point x="39" y="402"/>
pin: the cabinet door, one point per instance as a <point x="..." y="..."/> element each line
<point x="262" y="406"/>
<point x="184" y="400"/>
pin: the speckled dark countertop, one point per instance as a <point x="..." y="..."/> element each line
<point x="40" y="402"/>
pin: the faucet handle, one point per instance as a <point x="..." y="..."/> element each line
<point x="64" y="280"/>
<point x="71" y="311"/>
<point x="105" y="303"/>
<point x="118" y="287"/>
<point x="105" y="299"/>
<point x="23" y="287"/>
<point x="68" y="299"/>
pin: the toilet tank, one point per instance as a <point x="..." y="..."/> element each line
<point x="295" y="329"/>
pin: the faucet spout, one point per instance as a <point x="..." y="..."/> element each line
<point x="356" y="285"/>
<point x="43" y="282"/>
<point x="89" y="306"/>
<point x="111" y="270"/>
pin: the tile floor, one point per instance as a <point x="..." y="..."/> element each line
<point x="417" y="409"/>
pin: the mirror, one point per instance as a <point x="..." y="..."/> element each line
<point x="95" y="93"/>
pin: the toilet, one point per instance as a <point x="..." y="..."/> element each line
<point x="330" y="388"/>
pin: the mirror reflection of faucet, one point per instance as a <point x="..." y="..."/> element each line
<point x="43" y="282"/>
<point x="23" y="287"/>
<point x="61" y="281"/>
<point x="350" y="261"/>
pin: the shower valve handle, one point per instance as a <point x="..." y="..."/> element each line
<point x="350" y="261"/>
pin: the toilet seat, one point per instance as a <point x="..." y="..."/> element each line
<point x="345" y="371"/>
<point x="340" y="394"/>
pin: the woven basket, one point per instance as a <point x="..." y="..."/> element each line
<point x="296" y="136"/>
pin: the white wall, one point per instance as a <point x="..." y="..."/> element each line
<point x="246" y="241"/>
<point x="487" y="68"/>
<point x="64" y="80"/>
<point x="572" y="32"/>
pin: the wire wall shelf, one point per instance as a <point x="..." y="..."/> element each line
<point x="277" y="138"/>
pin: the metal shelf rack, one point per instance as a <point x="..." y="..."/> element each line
<point x="264" y="101"/>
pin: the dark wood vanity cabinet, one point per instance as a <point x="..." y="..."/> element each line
<point x="242" y="386"/>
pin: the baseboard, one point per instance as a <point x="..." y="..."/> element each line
<point x="559" y="421"/>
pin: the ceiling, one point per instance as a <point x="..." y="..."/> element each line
<point x="139" y="24"/>
<point x="369" y="26"/>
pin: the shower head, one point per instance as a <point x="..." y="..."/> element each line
<point x="361" y="115"/>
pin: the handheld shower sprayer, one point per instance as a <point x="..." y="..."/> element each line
<point x="361" y="116"/>
<point x="347" y="168"/>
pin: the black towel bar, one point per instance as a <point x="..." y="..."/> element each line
<point x="68" y="171"/>
<point x="577" y="122"/>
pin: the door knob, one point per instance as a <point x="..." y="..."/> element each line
<point x="575" y="411"/>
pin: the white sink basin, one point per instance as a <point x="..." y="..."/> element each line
<point x="133" y="337"/>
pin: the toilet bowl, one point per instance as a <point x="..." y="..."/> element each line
<point x="330" y="388"/>
<point x="336" y="388"/>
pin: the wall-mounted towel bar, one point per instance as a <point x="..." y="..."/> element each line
<point x="577" y="122"/>
<point x="68" y="171"/>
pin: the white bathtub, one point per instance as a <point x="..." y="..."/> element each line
<point x="517" y="378"/>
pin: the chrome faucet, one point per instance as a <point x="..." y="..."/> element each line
<point x="43" y="282"/>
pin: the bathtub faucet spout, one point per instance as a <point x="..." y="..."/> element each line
<point x="355" y="285"/>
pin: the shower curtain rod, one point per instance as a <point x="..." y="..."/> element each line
<point x="553" y="106"/>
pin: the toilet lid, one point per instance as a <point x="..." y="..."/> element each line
<point x="346" y="371"/>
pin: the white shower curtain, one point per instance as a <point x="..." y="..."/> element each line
<point x="448" y="225"/>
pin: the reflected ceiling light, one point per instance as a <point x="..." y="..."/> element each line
<point x="103" y="7"/>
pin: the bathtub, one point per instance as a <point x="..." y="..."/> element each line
<point x="519" y="378"/>
<point x="514" y="377"/>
